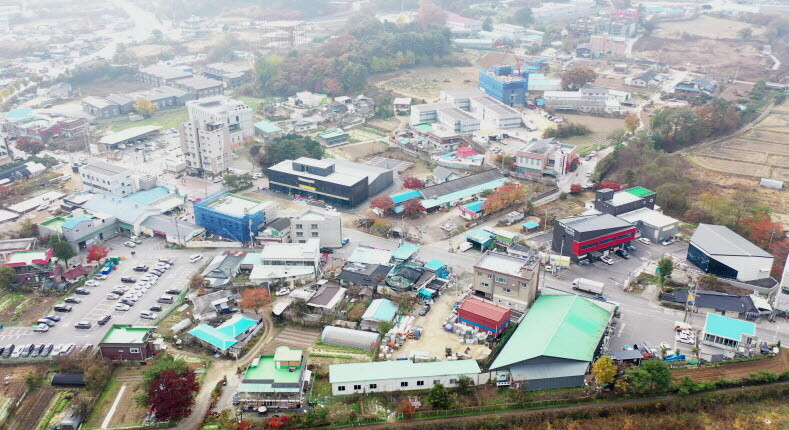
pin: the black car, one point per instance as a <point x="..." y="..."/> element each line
<point x="53" y="318"/>
<point x="155" y="308"/>
<point x="173" y="291"/>
<point x="83" y="325"/>
<point x="622" y="253"/>
<point x="141" y="268"/>
<point x="72" y="300"/>
<point x="424" y="310"/>
<point x="8" y="350"/>
<point x="128" y="280"/>
<point x="62" y="308"/>
<point x="83" y="291"/>
<point x="327" y="251"/>
<point x="2" y="348"/>
<point x="104" y="320"/>
<point x="127" y="302"/>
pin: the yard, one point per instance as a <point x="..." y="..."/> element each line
<point x="706" y="26"/>
<point x="167" y="119"/>
<point x="362" y="134"/>
<point x="126" y="412"/>
<point x="426" y="82"/>
<point x="360" y="151"/>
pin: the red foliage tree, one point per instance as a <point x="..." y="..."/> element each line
<point x="413" y="183"/>
<point x="779" y="249"/>
<point x="413" y="207"/>
<point x="383" y="203"/>
<point x="254" y="298"/>
<point x="505" y="196"/>
<point x="611" y="185"/>
<point x="97" y="252"/>
<point x="30" y="146"/>
<point x="761" y="230"/>
<point x="696" y="215"/>
<point x="172" y="394"/>
<point x="332" y="86"/>
<point x="277" y="422"/>
<point x="576" y="189"/>
<point x="406" y="407"/>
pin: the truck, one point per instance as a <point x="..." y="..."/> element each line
<point x="588" y="285"/>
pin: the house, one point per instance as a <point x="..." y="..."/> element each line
<point x="300" y="126"/>
<point x="473" y="210"/>
<point x="9" y="246"/>
<point x="364" y="106"/>
<point x="31" y="266"/>
<point x="441" y="269"/>
<point x="399" y="375"/>
<point x="443" y="174"/>
<point x="555" y="343"/>
<point x="648" y="79"/>
<point x="486" y="316"/>
<point x="704" y="86"/>
<point x="362" y="274"/>
<point x="209" y="306"/>
<point x="461" y="25"/>
<point x="277" y="230"/>
<point x="717" y="250"/>
<point x="232" y="75"/>
<point x="463" y="158"/>
<point x="612" y="202"/>
<point x="506" y="280"/>
<point x="127" y="342"/>
<point x="401" y="104"/>
<point x="230" y="336"/>
<point x="545" y="157"/>
<point x="333" y="136"/>
<point x="728" y="334"/>
<point x="589" y="99"/>
<point x="61" y="90"/>
<point x="652" y="224"/>
<point x="407" y="276"/>
<point x="327" y="298"/>
<point x="276" y="381"/>
<point x="288" y="262"/>
<point x="219" y="273"/>
<point x="589" y="237"/>
<point x="726" y="304"/>
<point x="380" y="311"/>
<point x="461" y="190"/>
<point x="81" y="229"/>
<point x="268" y="130"/>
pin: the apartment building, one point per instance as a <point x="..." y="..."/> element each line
<point x="590" y="99"/>
<point x="327" y="227"/>
<point x="544" y="157"/>
<point x="507" y="280"/>
<point x="105" y="178"/>
<point x="217" y="125"/>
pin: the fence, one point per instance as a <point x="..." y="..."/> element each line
<point x="179" y="300"/>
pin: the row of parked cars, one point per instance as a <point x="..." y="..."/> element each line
<point x="40" y="350"/>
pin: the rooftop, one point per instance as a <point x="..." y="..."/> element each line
<point x="266" y="370"/>
<point x="398" y="369"/>
<point x="728" y="328"/>
<point x="719" y="240"/>
<point x="502" y="263"/>
<point x="540" y="146"/>
<point x="224" y="336"/>
<point x="482" y="307"/>
<point x="332" y="132"/>
<point x="345" y="172"/>
<point x="165" y="72"/>
<point x="587" y="223"/>
<point x="199" y="83"/>
<point x="149" y="196"/>
<point x="124" y="135"/>
<point x="466" y="182"/>
<point x="119" y="333"/>
<point x="562" y="326"/>
<point x="327" y="296"/>
<point x="126" y="211"/>
<point x="405" y="251"/>
<point x="234" y="204"/>
<point x="267" y="127"/>
<point x="26" y="258"/>
<point x="648" y="216"/>
<point x="380" y="310"/>
<point x="106" y="169"/>
<point x="369" y="255"/>
<point x="290" y="251"/>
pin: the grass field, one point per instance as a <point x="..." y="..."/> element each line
<point x="252" y="102"/>
<point x="168" y="119"/>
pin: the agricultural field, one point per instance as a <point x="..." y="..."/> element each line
<point x="116" y="405"/>
<point x="737" y="370"/>
<point x="360" y="151"/>
<point x="362" y="134"/>
<point x="24" y="309"/>
<point x="168" y="119"/>
<point x="14" y="386"/>
<point x="426" y="82"/>
<point x="706" y="26"/>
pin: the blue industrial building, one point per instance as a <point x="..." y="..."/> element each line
<point x="505" y="85"/>
<point x="233" y="216"/>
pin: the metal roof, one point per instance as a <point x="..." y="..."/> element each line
<point x="172" y="227"/>
<point x="720" y="241"/>
<point x="562" y="326"/>
<point x="587" y="223"/>
<point x="502" y="263"/>
<point x="127" y="134"/>
<point x="405" y="251"/>
<point x="487" y="309"/>
<point x="728" y="328"/>
<point x="380" y="310"/>
<point x="530" y="372"/>
<point x="461" y="183"/>
<point x="267" y="127"/>
<point x="126" y="334"/>
<point x="649" y="216"/>
<point x="713" y="300"/>
<point x="399" y="369"/>
<point x="104" y="168"/>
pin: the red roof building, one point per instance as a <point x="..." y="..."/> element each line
<point x="484" y="315"/>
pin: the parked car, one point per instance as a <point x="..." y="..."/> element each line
<point x="63" y="308"/>
<point x="66" y="349"/>
<point x="195" y="258"/>
<point x="112" y="296"/>
<point x="53" y="318"/>
<point x="47" y="350"/>
<point x="644" y="240"/>
<point x="130" y="244"/>
<point x="607" y="260"/>
<point x="148" y="315"/>
<point x="40" y="328"/>
<point x="92" y="283"/>
<point x="82" y="291"/>
<point x="140" y="268"/>
<point x="155" y="308"/>
<point x="83" y="325"/>
<point x="622" y="253"/>
<point x="173" y="291"/>
<point x="104" y="320"/>
<point x="73" y="300"/>
<point x="424" y="310"/>
<point x="668" y="241"/>
<point x="284" y="291"/>
<point x="100" y="277"/>
<point x="128" y="280"/>
<point x="122" y="307"/>
<point x="47" y="322"/>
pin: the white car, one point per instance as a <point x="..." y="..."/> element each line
<point x="607" y="260"/>
<point x="148" y="315"/>
<point x="92" y="283"/>
<point x="257" y="176"/>
<point x="122" y="307"/>
<point x="644" y="240"/>
<point x="100" y="277"/>
<point x="217" y="180"/>
<point x="112" y="296"/>
<point x="43" y="207"/>
<point x="130" y="244"/>
<point x="56" y="350"/>
<point x="284" y="291"/>
<point x="195" y="258"/>
<point x="41" y="328"/>
<point x="67" y="348"/>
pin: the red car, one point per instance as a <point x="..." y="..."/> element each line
<point x="324" y="257"/>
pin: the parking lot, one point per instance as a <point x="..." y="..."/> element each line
<point x="95" y="305"/>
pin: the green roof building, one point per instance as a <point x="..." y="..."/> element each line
<point x="333" y="136"/>
<point x="274" y="381"/>
<point x="555" y="343"/>
<point x="127" y="342"/>
<point x="399" y="375"/>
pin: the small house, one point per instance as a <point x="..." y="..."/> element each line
<point x="275" y="381"/>
<point x="401" y="104"/>
<point x="728" y="333"/>
<point x="473" y="210"/>
<point x="379" y="311"/>
<point x="127" y="342"/>
<point x="327" y="298"/>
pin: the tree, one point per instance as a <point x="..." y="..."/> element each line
<point x="604" y="371"/>
<point x="406" y="407"/>
<point x="504" y="197"/>
<point x="144" y="107"/>
<point x="384" y="203"/>
<point x="672" y="198"/>
<point x="236" y="183"/>
<point x="676" y="128"/>
<point x="465" y="386"/>
<point x="430" y="14"/>
<point x="632" y="121"/>
<point x="96" y="376"/>
<point x="577" y="77"/>
<point x="34" y="380"/>
<point x="290" y="147"/>
<point x="630" y="176"/>
<point x="30" y="146"/>
<point x="652" y="376"/>
<point x="610" y="185"/>
<point x="197" y="281"/>
<point x="746" y="33"/>
<point x="523" y="16"/>
<point x="413" y="207"/>
<point x="172" y="394"/>
<point x="413" y="183"/>
<point x="63" y="251"/>
<point x="487" y="24"/>
<point x="761" y="230"/>
<point x="7" y="278"/>
<point x="576" y="189"/>
<point x="665" y="266"/>
<point x="254" y="298"/>
<point x="97" y="252"/>
<point x="439" y="397"/>
<point x="28" y="229"/>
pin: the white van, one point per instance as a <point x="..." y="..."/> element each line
<point x="195" y="258"/>
<point x="166" y="298"/>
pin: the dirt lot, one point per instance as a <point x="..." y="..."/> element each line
<point x="24" y="309"/>
<point x="360" y="151"/>
<point x="292" y="337"/>
<point x="737" y="371"/>
<point x="706" y="26"/>
<point x="704" y="56"/>
<point x="426" y="82"/>
<point x="434" y="339"/>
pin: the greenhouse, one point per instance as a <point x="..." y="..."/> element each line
<point x="339" y="336"/>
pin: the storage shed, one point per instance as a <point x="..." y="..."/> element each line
<point x="340" y="336"/>
<point x="68" y="380"/>
<point x="484" y="315"/>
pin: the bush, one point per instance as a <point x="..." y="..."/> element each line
<point x="566" y="129"/>
<point x="763" y="377"/>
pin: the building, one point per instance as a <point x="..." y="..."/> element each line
<point x="652" y="224"/>
<point x="505" y="85"/>
<point x="9" y="246"/>
<point x="728" y="334"/>
<point x="462" y="158"/>
<point x="540" y="82"/>
<point x="232" y="75"/>
<point x="366" y="275"/>
<point x="703" y="86"/>
<point x="589" y="99"/>
<point x="129" y="136"/>
<point x="399" y="375"/>
<point x="200" y="86"/>
<point x="126" y="342"/>
<point x="493" y="113"/>
<point x="129" y="214"/>
<point x="31" y="266"/>
<point x="100" y="107"/>
<point x="336" y="182"/>
<point x="364" y="106"/>
<point x="461" y="190"/>
<point x="275" y="381"/>
<point x="267" y="130"/>
<point x="507" y="280"/>
<point x="171" y="229"/>
<point x="717" y="250"/>
<point x="217" y="125"/>
<point x="443" y="174"/>
<point x="276" y="231"/>
<point x="549" y="13"/>
<point x="545" y="157"/>
<point x="461" y="25"/>
<point x="327" y="298"/>
<point x="219" y="273"/>
<point x="230" y="336"/>
<point x="484" y="315"/>
<point x="473" y="210"/>
<point x="350" y="338"/>
<point x="326" y="226"/>
<point x="81" y="228"/>
<point x="781" y="301"/>
<point x="380" y="311"/>
<point x="648" y="79"/>
<point x="233" y="216"/>
<point x="589" y="237"/>
<point x="160" y="74"/>
<point x="209" y="306"/>
<point x="288" y="263"/>
<point x="710" y="301"/>
<point x="105" y="178"/>
<point x="616" y="203"/>
<point x="602" y="44"/>
<point x="555" y="343"/>
<point x="333" y="136"/>
<point x="401" y="104"/>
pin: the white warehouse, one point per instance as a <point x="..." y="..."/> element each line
<point x="400" y="375"/>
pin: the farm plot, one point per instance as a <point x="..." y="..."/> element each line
<point x="292" y="337"/>
<point x="126" y="411"/>
<point x="706" y="26"/>
<point x="32" y="408"/>
<point x="362" y="134"/>
<point x="24" y="309"/>
<point x="362" y="150"/>
<point x="737" y="370"/>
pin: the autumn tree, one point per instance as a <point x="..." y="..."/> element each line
<point x="610" y="185"/>
<point x="30" y="146"/>
<point x="197" y="281"/>
<point x="576" y="189"/>
<point x="675" y="128"/>
<point x="632" y="121"/>
<point x="254" y="298"/>
<point x="172" y="394"/>
<point x="431" y="14"/>
<point x="604" y="371"/>
<point x="406" y="407"/>
<point x="96" y="376"/>
<point x="97" y="252"/>
<point x="504" y="197"/>
<point x="413" y="207"/>
<point x="413" y="183"/>
<point x="577" y="77"/>
<point x="652" y="376"/>
<point x="144" y="107"/>
<point x="7" y="278"/>
<point x="383" y="203"/>
<point x="28" y="229"/>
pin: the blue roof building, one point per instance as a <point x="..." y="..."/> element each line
<point x="380" y="310"/>
<point x="149" y="196"/>
<point x="233" y="216"/>
<point x="231" y="333"/>
<point x="483" y="238"/>
<point x="405" y="251"/>
<point x="439" y="267"/>
<point x="505" y="85"/>
<point x="728" y="333"/>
